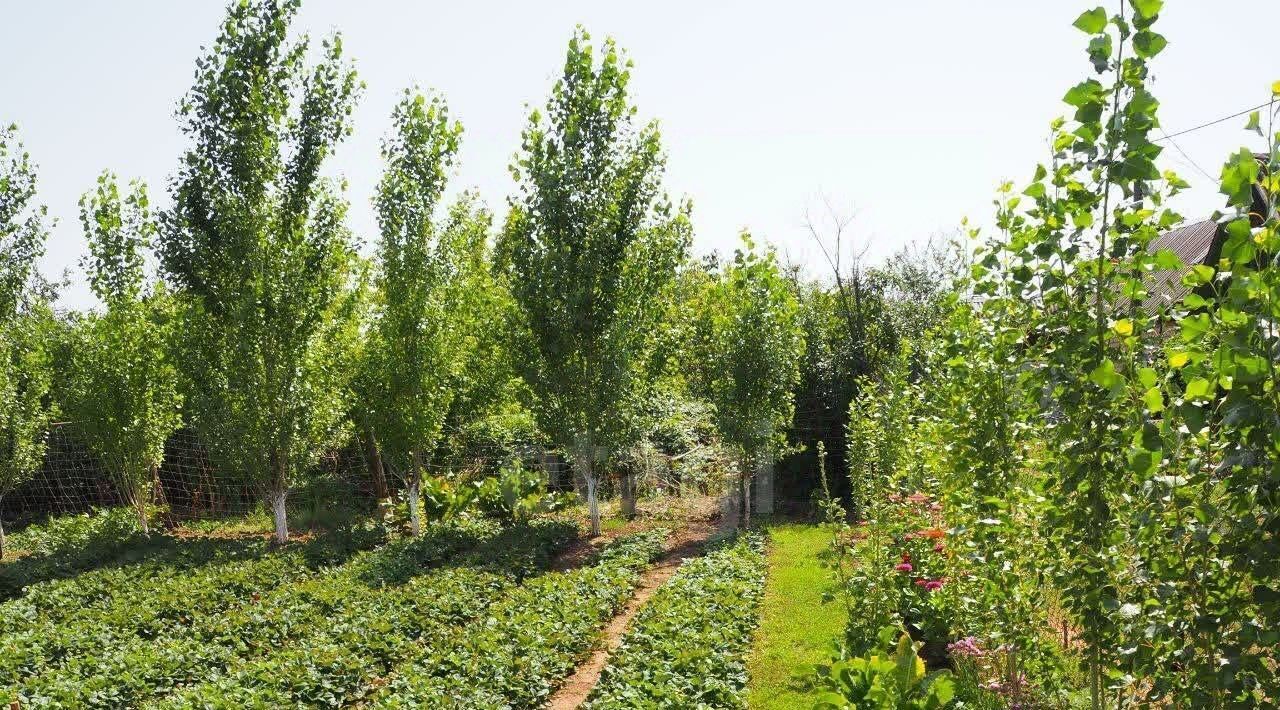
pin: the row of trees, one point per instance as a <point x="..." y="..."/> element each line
<point x="272" y="337"/>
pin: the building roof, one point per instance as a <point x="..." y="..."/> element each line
<point x="1194" y="243"/>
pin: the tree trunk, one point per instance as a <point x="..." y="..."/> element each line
<point x="374" y="460"/>
<point x="629" y="494"/>
<point x="744" y="494"/>
<point x="142" y="518"/>
<point x="583" y="453"/>
<point x="278" y="514"/>
<point x="279" y="490"/>
<point x="593" y="502"/>
<point x="411" y="494"/>
<point x="2" y="548"/>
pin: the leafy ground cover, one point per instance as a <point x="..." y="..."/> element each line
<point x="528" y="642"/>
<point x="152" y="637"/>
<point x="687" y="648"/>
<point x="797" y="629"/>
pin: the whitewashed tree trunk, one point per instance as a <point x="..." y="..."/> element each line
<point x="629" y="495"/>
<point x="764" y="488"/>
<point x="278" y="513"/>
<point x="412" y="492"/>
<point x="593" y="501"/>
<point x="583" y="452"/>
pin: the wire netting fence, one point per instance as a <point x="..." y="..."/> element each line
<point x="189" y="484"/>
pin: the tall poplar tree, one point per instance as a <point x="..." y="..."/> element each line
<point x="257" y="246"/>
<point x="24" y="361"/>
<point x="422" y="336"/>
<point x="754" y="345"/>
<point x="590" y="241"/>
<point x="122" y="390"/>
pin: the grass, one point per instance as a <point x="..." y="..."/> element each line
<point x="796" y="628"/>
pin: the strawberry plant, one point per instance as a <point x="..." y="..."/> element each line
<point x="688" y="646"/>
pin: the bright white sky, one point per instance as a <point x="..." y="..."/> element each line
<point x="912" y="112"/>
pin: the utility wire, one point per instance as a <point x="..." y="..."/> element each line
<point x="1193" y="163"/>
<point x="1171" y="136"/>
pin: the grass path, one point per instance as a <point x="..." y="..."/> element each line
<point x="796" y="628"/>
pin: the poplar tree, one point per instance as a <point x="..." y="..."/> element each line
<point x="123" y="388"/>
<point x="257" y="245"/>
<point x="754" y="346"/>
<point x="427" y="277"/>
<point x="590" y="241"/>
<point x="24" y="316"/>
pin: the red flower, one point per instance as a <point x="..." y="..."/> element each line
<point x="904" y="567"/>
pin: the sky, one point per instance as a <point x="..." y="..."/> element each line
<point x="905" y="115"/>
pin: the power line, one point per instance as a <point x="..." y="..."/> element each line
<point x="1194" y="164"/>
<point x="1171" y="136"/>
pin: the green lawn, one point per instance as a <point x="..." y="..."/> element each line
<point x="796" y="628"/>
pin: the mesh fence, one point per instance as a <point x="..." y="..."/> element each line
<point x="190" y="485"/>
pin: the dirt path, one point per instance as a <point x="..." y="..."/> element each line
<point x="683" y="544"/>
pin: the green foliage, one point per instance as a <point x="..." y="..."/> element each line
<point x="225" y="630"/>
<point x="890" y="678"/>
<point x="589" y="244"/>
<point x="25" y="321"/>
<point x="528" y="641"/>
<point x="426" y="277"/>
<point x="256" y="246"/>
<point x="516" y="493"/>
<point x="752" y="351"/>
<point x="687" y="647"/>
<point x="122" y="389"/>
<point x="1103" y="457"/>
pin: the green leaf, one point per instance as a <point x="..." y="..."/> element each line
<point x="1105" y="375"/>
<point x="1153" y="400"/>
<point x="1199" y="389"/>
<point x="1148" y="44"/>
<point x="1238" y="176"/>
<point x="1194" y="327"/>
<point x="1092" y="21"/>
<point x="1199" y="275"/>
<point x="1147" y="8"/>
<point x="1254" y="123"/>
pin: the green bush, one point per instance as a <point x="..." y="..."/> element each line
<point x="891" y="678"/>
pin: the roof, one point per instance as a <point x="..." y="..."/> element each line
<point x="1194" y="243"/>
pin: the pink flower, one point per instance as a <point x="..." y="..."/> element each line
<point x="904" y="567"/>
<point x="967" y="646"/>
<point x="939" y="547"/>
<point x="933" y="585"/>
<point x="919" y="582"/>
